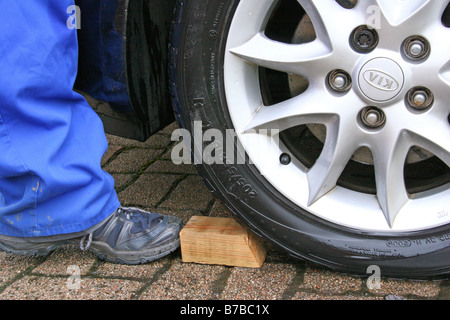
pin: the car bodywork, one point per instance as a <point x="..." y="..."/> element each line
<point x="123" y="50"/>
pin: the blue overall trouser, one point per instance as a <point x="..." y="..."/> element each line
<point x="51" y="141"/>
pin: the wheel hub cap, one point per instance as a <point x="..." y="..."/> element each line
<point x="381" y="79"/>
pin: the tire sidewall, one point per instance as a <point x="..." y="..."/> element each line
<point x="198" y="88"/>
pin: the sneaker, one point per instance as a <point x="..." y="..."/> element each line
<point x="128" y="236"/>
<point x="134" y="236"/>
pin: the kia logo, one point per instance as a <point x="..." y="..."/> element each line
<point x="381" y="80"/>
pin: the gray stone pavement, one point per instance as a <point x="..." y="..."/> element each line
<point x="147" y="178"/>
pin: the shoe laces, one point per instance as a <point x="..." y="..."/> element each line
<point x="128" y="213"/>
<point x="131" y="214"/>
<point x="86" y="241"/>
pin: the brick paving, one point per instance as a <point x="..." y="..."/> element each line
<point x="147" y="178"/>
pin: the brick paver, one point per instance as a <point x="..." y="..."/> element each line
<point x="145" y="177"/>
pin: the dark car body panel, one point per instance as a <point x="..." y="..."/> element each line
<point x="123" y="62"/>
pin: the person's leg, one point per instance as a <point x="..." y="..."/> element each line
<point x="52" y="186"/>
<point x="51" y="139"/>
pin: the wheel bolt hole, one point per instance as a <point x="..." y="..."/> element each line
<point x="339" y="81"/>
<point x="419" y="98"/>
<point x="372" y="117"/>
<point x="416" y="49"/>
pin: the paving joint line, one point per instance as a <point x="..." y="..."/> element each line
<point x="26" y="272"/>
<point x="156" y="276"/>
<point x="218" y="286"/>
<point x="295" y="283"/>
<point x="172" y="188"/>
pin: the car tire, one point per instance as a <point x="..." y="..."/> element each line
<point x="206" y="90"/>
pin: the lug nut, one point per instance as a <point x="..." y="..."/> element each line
<point x="339" y="81"/>
<point x="364" y="39"/>
<point x="420" y="98"/>
<point x="373" y="117"/>
<point x="416" y="48"/>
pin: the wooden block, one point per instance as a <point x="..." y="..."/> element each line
<point x="223" y="241"/>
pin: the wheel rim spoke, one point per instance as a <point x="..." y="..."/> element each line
<point x="330" y="30"/>
<point x="290" y="58"/>
<point x="313" y="106"/>
<point x="340" y="144"/>
<point x="433" y="139"/>
<point x="414" y="12"/>
<point x="389" y="159"/>
<point x="444" y="74"/>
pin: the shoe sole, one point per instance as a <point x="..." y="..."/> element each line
<point x="101" y="250"/>
<point x="38" y="250"/>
